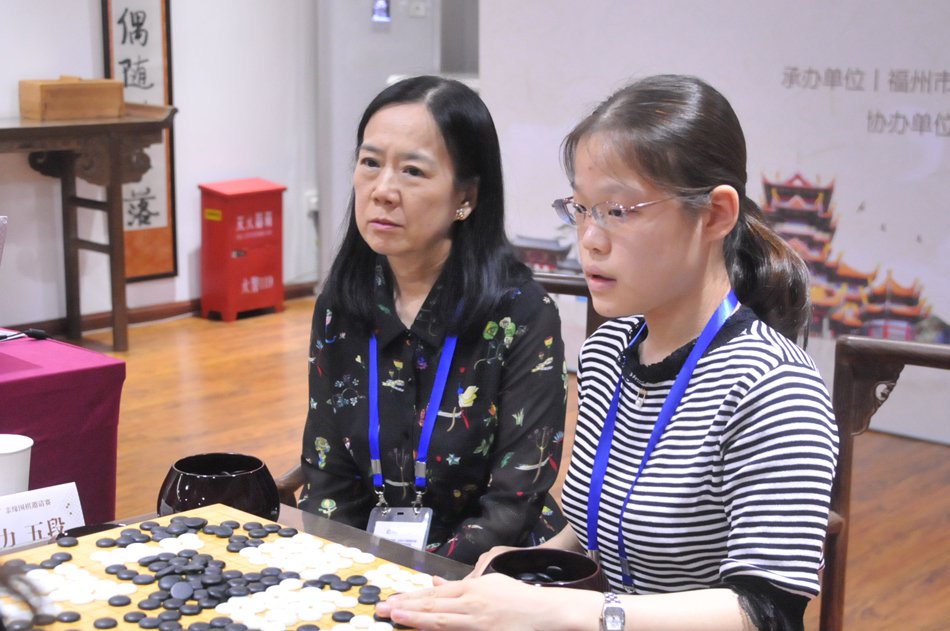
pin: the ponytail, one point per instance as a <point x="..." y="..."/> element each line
<point x="767" y="274"/>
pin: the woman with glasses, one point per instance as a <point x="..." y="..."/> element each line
<point x="705" y="449"/>
<point x="437" y="373"/>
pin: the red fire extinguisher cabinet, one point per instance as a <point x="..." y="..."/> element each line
<point x="241" y="247"/>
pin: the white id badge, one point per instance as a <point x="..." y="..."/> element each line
<point x="402" y="524"/>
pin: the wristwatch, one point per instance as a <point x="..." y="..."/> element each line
<point x="612" y="617"/>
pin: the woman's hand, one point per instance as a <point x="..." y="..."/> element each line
<point x="493" y="601"/>
<point x="486" y="557"/>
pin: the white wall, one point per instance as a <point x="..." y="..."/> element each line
<point x="355" y="59"/>
<point x="544" y="64"/>
<point x="244" y="81"/>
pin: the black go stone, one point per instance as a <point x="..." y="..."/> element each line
<point x="167" y="582"/>
<point x="199" y="626"/>
<point x="182" y="590"/>
<point x="143" y="579"/>
<point x="370" y="589"/>
<point x="67" y="542"/>
<point x="195" y="522"/>
<point x="105" y="542"/>
<point x="238" y="590"/>
<point x="61" y="557"/>
<point x="176" y="529"/>
<point x="342" y="616"/>
<point x="270" y="580"/>
<point x="229" y="574"/>
<point x="43" y="619"/>
<point x="19" y="625"/>
<point x="105" y="623"/>
<point x="340" y="586"/>
<point x="314" y="583"/>
<point x="220" y="622"/>
<point x="149" y="623"/>
<point x="126" y="575"/>
<point x="272" y="527"/>
<point x="286" y="575"/>
<point x="169" y="615"/>
<point x="308" y="627"/>
<point x="166" y="556"/>
<point x="68" y="616"/>
<point x="357" y="580"/>
<point x="256" y="587"/>
<point x="159" y="595"/>
<point x="230" y="523"/>
<point x="223" y="532"/>
<point x="149" y="603"/>
<point x="173" y="603"/>
<point x="253" y="543"/>
<point x="120" y="600"/>
<point x="148" y="525"/>
<point x="208" y="603"/>
<point x="124" y="541"/>
<point x="148" y="560"/>
<point x="140" y="537"/>
<point x="368" y="599"/>
<point x="188" y="553"/>
<point x="48" y="564"/>
<point x="257" y="533"/>
<point x="236" y="547"/>
<point x="128" y="532"/>
<point x="286" y="532"/>
<point x="190" y="609"/>
<point x="169" y="625"/>
<point x="133" y="616"/>
<point x="236" y="626"/>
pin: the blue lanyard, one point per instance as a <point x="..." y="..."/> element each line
<point x="715" y="323"/>
<point x="432" y="410"/>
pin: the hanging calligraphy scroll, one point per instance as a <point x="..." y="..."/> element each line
<point x="137" y="49"/>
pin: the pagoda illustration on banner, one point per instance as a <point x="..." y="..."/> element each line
<point x="844" y="299"/>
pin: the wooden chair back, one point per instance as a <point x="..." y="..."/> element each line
<point x="866" y="371"/>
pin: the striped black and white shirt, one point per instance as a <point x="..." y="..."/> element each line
<point x="739" y="483"/>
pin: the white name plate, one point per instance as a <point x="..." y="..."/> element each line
<point x="39" y="515"/>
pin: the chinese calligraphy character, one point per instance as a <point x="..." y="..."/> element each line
<point x="921" y="81"/>
<point x="810" y="79"/>
<point x="921" y="123"/>
<point x="139" y="212"/>
<point x="942" y="82"/>
<point x="833" y="78"/>
<point x="134" y="73"/>
<point x="899" y="81"/>
<point x="790" y="77"/>
<point x="942" y="125"/>
<point x="133" y="27"/>
<point x="877" y="122"/>
<point x="8" y="538"/>
<point x="854" y="79"/>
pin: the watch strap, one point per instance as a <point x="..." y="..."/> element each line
<point x="612" y="617"/>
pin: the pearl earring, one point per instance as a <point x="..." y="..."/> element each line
<point x="460" y="214"/>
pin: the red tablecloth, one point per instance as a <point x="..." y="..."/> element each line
<point x="66" y="399"/>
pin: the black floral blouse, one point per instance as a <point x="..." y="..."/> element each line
<point x="496" y="446"/>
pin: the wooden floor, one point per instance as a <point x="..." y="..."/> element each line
<point x="196" y="386"/>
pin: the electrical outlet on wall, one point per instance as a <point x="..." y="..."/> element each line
<point x="418" y="8"/>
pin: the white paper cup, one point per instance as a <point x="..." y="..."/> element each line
<point x="14" y="463"/>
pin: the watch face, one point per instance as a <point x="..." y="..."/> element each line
<point x="613" y="619"/>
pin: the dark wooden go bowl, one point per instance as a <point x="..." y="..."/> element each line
<point x="237" y="480"/>
<point x="550" y="568"/>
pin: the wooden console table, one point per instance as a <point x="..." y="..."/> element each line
<point x="108" y="152"/>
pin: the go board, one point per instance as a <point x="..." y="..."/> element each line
<point x="210" y="568"/>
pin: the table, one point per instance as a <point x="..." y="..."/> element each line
<point x="66" y="399"/>
<point x="83" y="555"/>
<point x="104" y="151"/>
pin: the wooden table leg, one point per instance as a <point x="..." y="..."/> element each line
<point x="120" y="315"/>
<point x="67" y="178"/>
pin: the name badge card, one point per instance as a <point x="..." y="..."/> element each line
<point x="39" y="515"/>
<point x="406" y="525"/>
